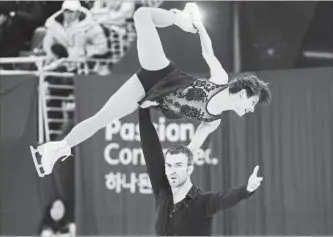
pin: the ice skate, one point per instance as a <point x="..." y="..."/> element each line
<point x="50" y="152"/>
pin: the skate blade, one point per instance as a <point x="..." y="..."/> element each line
<point x="37" y="166"/>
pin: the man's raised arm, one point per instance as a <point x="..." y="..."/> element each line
<point x="152" y="151"/>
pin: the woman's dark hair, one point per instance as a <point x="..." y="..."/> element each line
<point x="253" y="86"/>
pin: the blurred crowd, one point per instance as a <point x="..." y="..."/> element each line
<point x="68" y="32"/>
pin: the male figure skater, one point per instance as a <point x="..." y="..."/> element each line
<point x="182" y="208"/>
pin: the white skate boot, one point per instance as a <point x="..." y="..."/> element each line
<point x="50" y="152"/>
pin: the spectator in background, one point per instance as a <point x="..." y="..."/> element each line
<point x="57" y="220"/>
<point x="112" y="12"/>
<point x="114" y="17"/>
<point x="74" y="29"/>
<point x="18" y="20"/>
<point x="35" y="46"/>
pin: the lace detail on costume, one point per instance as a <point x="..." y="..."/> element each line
<point x="191" y="102"/>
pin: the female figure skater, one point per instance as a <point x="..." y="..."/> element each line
<point x="159" y="83"/>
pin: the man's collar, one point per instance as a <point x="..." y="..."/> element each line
<point x="194" y="191"/>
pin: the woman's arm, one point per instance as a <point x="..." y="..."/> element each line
<point x="202" y="132"/>
<point x="217" y="73"/>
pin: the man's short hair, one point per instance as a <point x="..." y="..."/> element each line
<point x="181" y="149"/>
<point x="253" y="86"/>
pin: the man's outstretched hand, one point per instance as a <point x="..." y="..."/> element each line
<point x="254" y="180"/>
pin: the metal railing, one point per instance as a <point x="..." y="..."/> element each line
<point x="45" y="118"/>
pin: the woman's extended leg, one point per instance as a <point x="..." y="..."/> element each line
<point x="150" y="51"/>
<point x="129" y="95"/>
<point x="112" y="110"/>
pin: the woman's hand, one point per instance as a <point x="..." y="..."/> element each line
<point x="196" y="18"/>
<point x="148" y="104"/>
